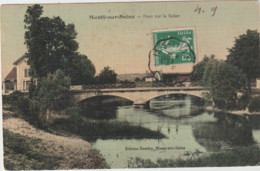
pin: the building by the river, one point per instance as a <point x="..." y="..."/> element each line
<point x="18" y="78"/>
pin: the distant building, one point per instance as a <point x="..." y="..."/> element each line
<point x="171" y="78"/>
<point x="183" y="80"/>
<point x="153" y="76"/>
<point x="18" y="78"/>
<point x="10" y="82"/>
<point x="258" y="83"/>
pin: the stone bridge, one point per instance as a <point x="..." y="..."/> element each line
<point x="138" y="96"/>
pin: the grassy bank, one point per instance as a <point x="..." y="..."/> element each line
<point x="91" y="130"/>
<point x="24" y="153"/>
<point x="74" y="123"/>
<point x="244" y="156"/>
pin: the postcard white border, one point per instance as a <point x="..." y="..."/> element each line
<point x="4" y="2"/>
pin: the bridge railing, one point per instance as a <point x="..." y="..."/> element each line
<point x="108" y="86"/>
<point x="130" y="85"/>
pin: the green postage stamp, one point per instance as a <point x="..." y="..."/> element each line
<point x="174" y="46"/>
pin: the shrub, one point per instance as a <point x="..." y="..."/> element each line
<point x="18" y="101"/>
<point x="243" y="102"/>
<point x="106" y="76"/>
<point x="53" y="92"/>
<point x="254" y="105"/>
<point x="223" y="81"/>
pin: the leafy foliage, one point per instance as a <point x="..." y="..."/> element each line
<point x="52" y="46"/>
<point x="54" y="60"/>
<point x="199" y="68"/>
<point x="53" y="92"/>
<point x="254" y="105"/>
<point x="243" y="156"/>
<point x="223" y="81"/>
<point x="18" y="101"/>
<point x="91" y="130"/>
<point x="50" y="42"/>
<point x="243" y="101"/>
<point x="107" y="76"/>
<point x="245" y="55"/>
<point x="81" y="71"/>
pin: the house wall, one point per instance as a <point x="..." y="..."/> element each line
<point x="258" y="83"/>
<point x="186" y="84"/>
<point x="21" y="66"/>
<point x="158" y="76"/>
<point x="149" y="79"/>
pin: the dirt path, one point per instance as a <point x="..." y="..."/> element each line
<point x="79" y="154"/>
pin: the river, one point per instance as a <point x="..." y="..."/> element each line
<point x="189" y="128"/>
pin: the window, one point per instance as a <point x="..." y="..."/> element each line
<point x="26" y="72"/>
<point x="29" y="73"/>
<point x="26" y="85"/>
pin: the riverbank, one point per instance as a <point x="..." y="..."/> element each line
<point x="93" y="129"/>
<point x="235" y="112"/>
<point x="70" y="152"/>
<point x="243" y="156"/>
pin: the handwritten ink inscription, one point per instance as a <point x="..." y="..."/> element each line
<point x="200" y="10"/>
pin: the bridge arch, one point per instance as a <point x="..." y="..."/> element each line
<point x="177" y="93"/>
<point x="174" y="93"/>
<point x="89" y="97"/>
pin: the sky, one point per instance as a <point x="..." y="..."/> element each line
<point x="124" y="44"/>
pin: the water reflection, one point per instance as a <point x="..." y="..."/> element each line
<point x="177" y="106"/>
<point x="102" y="107"/>
<point x="227" y="130"/>
<point x="255" y="121"/>
<point x="99" y="113"/>
<point x="182" y="119"/>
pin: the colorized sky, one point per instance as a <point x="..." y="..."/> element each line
<point x="124" y="44"/>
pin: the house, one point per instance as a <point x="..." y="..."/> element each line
<point x="18" y="78"/>
<point x="182" y="81"/>
<point x="153" y="76"/>
<point x="9" y="84"/>
<point x="172" y="77"/>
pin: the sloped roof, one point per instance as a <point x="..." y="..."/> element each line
<point x="12" y="75"/>
<point x="20" y="59"/>
<point x="181" y="79"/>
<point x="151" y="74"/>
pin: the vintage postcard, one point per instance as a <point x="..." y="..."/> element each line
<point x="130" y="85"/>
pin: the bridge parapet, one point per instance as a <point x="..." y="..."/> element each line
<point x="139" y="95"/>
<point x="127" y="85"/>
<point x="101" y="86"/>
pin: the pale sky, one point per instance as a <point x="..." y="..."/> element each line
<point x="124" y="44"/>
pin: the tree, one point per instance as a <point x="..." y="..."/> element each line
<point x="137" y="79"/>
<point x="81" y="70"/>
<point x="53" y="92"/>
<point x="52" y="46"/>
<point x="107" y="76"/>
<point x="223" y="81"/>
<point x="199" y="68"/>
<point x="50" y="42"/>
<point x="245" y="55"/>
